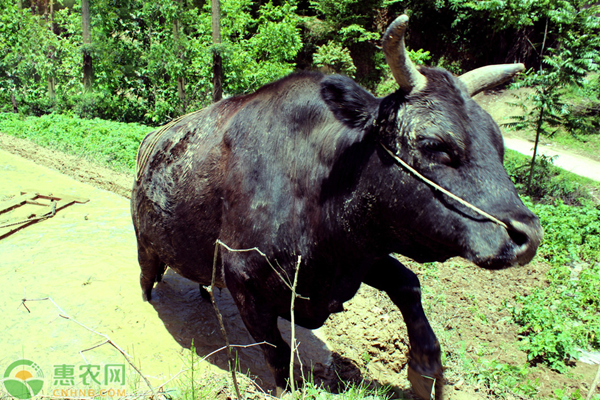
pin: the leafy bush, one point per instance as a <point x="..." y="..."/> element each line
<point x="335" y="58"/>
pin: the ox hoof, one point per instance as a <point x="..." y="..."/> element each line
<point x="147" y="295"/>
<point x="279" y="391"/>
<point x="427" y="386"/>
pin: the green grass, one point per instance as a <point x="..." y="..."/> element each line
<point x="107" y="142"/>
<point x="550" y="182"/>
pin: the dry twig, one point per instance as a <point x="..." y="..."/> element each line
<point x="220" y="318"/>
<point x="287" y="281"/>
<point x="290" y="285"/>
<point x="594" y="384"/>
<point x="293" y="326"/>
<point x="108" y="340"/>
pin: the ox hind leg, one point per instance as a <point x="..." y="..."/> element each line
<point x="404" y="289"/>
<point x="152" y="271"/>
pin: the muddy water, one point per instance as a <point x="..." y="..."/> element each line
<point x="85" y="259"/>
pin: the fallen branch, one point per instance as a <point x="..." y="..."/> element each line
<point x="594" y="385"/>
<point x="108" y="340"/>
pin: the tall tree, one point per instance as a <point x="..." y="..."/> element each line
<point x="179" y="51"/>
<point x="51" y="54"/>
<point x="217" y="93"/>
<point x="88" y="71"/>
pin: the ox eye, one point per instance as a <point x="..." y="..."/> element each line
<point x="437" y="150"/>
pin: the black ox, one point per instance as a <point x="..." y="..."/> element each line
<point x="299" y="168"/>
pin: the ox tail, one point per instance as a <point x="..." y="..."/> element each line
<point x="149" y="143"/>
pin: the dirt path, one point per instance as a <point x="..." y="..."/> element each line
<point x="496" y="104"/>
<point x="568" y="161"/>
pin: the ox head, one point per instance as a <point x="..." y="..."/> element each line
<point x="433" y="124"/>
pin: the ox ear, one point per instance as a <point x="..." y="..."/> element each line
<point x="350" y="104"/>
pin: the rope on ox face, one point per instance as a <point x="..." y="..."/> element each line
<point x="441" y="189"/>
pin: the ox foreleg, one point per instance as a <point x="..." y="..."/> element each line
<point x="261" y="321"/>
<point x="404" y="289"/>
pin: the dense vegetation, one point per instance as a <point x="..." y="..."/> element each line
<point x="152" y="61"/>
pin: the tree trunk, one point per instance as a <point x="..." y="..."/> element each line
<point x="217" y="93"/>
<point x="180" y="79"/>
<point x="88" y="71"/>
<point x="181" y="94"/>
<point x="51" y="86"/>
<point x="14" y="103"/>
<point x="51" y="56"/>
<point x="537" y="140"/>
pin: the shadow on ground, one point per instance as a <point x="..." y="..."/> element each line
<point x="190" y="319"/>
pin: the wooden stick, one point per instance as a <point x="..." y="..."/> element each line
<point x="293" y="327"/>
<point x="594" y="385"/>
<point x="220" y="318"/>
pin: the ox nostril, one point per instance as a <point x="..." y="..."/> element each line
<point x="518" y="236"/>
<point x="526" y="238"/>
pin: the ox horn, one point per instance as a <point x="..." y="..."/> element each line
<point x="487" y="77"/>
<point x="403" y="69"/>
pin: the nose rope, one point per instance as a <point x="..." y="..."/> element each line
<point x="441" y="189"/>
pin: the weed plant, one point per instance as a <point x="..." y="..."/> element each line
<point x="564" y="316"/>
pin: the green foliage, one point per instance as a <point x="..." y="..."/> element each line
<point x="500" y="378"/>
<point x="140" y="54"/>
<point x="334" y="58"/>
<point x="571" y="234"/>
<point x="269" y="54"/>
<point x="563" y="394"/>
<point x="565" y="316"/>
<point x="351" y="391"/>
<point x="550" y="183"/>
<point x="108" y="142"/>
